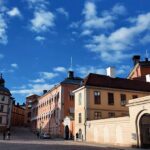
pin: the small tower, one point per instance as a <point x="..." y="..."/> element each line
<point x="136" y="59"/>
<point x="71" y="72"/>
<point x="2" y="81"/>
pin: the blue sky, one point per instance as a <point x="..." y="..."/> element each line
<point x="38" y="38"/>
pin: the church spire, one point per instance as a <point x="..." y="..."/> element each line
<point x="2" y="81"/>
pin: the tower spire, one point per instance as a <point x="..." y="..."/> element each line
<point x="146" y="54"/>
<point x="71" y="68"/>
<point x="2" y="81"/>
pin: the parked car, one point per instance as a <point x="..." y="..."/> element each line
<point x="45" y="136"/>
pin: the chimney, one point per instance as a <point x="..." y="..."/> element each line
<point x="146" y="59"/>
<point x="70" y="74"/>
<point x="44" y="92"/>
<point x="136" y="59"/>
<point x="111" y="72"/>
<point x="148" y="78"/>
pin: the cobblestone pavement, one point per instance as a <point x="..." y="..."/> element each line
<point x="23" y="139"/>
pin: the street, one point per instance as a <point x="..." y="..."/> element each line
<point x="23" y="139"/>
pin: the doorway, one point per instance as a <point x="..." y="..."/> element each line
<point x="66" y="132"/>
<point x="145" y="131"/>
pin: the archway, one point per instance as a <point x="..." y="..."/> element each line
<point x="66" y="132"/>
<point x="144" y="125"/>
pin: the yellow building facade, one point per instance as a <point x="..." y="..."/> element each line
<point x="103" y="97"/>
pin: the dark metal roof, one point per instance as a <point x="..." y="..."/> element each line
<point x="144" y="63"/>
<point x="3" y="89"/>
<point x="118" y="83"/>
<point x="74" y="80"/>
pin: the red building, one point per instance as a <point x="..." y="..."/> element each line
<point x="140" y="69"/>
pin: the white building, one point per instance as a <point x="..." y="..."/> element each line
<point x="5" y="105"/>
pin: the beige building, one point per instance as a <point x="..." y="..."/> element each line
<point x="130" y="131"/>
<point x="54" y="105"/>
<point x="5" y="106"/>
<point x="29" y="102"/>
<point x="102" y="97"/>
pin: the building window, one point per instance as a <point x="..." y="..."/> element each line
<point x="110" y="98"/>
<point x="97" y="99"/>
<point x="79" y="98"/>
<point x="97" y="115"/>
<point x="71" y="95"/>
<point x="80" y="118"/>
<point x="134" y="96"/>
<point x="29" y="114"/>
<point x="123" y="99"/>
<point x="1" y="108"/>
<point x="111" y="114"/>
<point x="3" y="98"/>
<point x="0" y="120"/>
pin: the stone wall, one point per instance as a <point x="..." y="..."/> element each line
<point x="114" y="131"/>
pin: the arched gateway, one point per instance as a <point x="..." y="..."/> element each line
<point x="144" y="126"/>
<point x="140" y="122"/>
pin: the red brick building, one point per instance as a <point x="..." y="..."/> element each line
<point x="140" y="69"/>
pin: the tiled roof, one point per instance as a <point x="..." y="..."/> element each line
<point x="118" y="83"/>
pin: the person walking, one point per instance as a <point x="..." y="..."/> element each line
<point x="4" y="135"/>
<point x="38" y="135"/>
<point x="8" y="134"/>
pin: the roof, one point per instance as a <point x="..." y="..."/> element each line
<point x="117" y="83"/>
<point x="140" y="63"/>
<point x="4" y="89"/>
<point x="74" y="80"/>
<point x="34" y="96"/>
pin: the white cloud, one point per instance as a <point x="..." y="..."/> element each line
<point x="3" y="27"/>
<point x="123" y="39"/>
<point x="33" y="89"/>
<point x="119" y="9"/>
<point x="75" y="24"/>
<point x="86" y="32"/>
<point x="14" y="65"/>
<point x="60" y="69"/>
<point x="92" y="21"/>
<point x="14" y="12"/>
<point x="38" y="4"/>
<point x="85" y="70"/>
<point x="38" y="81"/>
<point x="123" y="69"/>
<point x="42" y="21"/>
<point x="146" y="39"/>
<point x="40" y="38"/>
<point x="62" y="11"/>
<point x="90" y="10"/>
<point x="48" y="75"/>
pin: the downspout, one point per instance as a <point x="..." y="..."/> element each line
<point x="85" y="101"/>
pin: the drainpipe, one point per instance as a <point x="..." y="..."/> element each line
<point x="85" y="110"/>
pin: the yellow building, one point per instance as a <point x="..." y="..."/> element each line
<point x="102" y="97"/>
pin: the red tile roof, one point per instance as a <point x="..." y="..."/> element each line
<point x="117" y="83"/>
